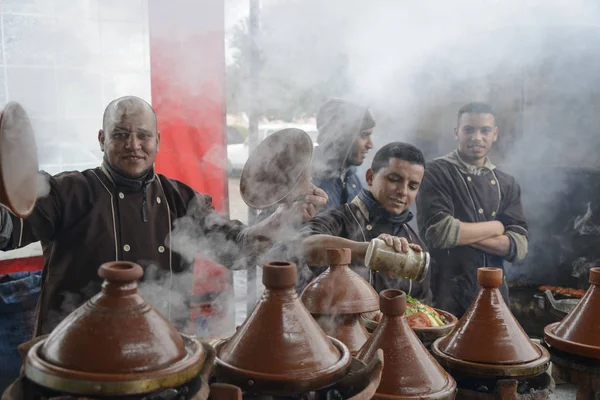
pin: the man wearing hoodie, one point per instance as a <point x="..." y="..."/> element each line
<point x="469" y="213"/>
<point x="344" y="139"/>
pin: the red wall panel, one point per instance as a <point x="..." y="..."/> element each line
<point x="187" y="60"/>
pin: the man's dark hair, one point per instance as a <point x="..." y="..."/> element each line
<point x="476" y="108"/>
<point x="399" y="150"/>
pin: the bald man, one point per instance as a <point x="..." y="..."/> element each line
<point x="123" y="210"/>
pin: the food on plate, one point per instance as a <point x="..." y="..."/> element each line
<point x="419" y="315"/>
<point x="577" y="293"/>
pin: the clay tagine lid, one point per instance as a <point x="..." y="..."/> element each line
<point x="339" y="290"/>
<point x="579" y="332"/>
<point x="278" y="168"/>
<point x="488" y="333"/>
<point x="346" y="328"/>
<point x="116" y="343"/>
<point x="280" y="349"/>
<point x="18" y="161"/>
<point x="409" y="371"/>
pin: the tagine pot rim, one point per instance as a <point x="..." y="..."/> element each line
<point x="85" y="383"/>
<point x="577" y="322"/>
<point x="568" y="346"/>
<point x="498" y="371"/>
<point x="284" y="384"/>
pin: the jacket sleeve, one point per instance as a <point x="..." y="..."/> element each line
<point x="435" y="209"/>
<point x="45" y="220"/>
<point x="515" y="225"/>
<point x="329" y="222"/>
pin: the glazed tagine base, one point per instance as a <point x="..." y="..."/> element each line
<point x="568" y="346"/>
<point x="536" y="388"/>
<point x="582" y="372"/>
<point x="190" y="390"/>
<point x="70" y="381"/>
<point x="461" y="368"/>
<point x="360" y="383"/>
<point x="579" y="332"/>
<point x="286" y="384"/>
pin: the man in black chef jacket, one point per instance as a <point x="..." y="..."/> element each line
<point x="469" y="213"/>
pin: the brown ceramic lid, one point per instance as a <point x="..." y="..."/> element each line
<point x="488" y="332"/>
<point x="280" y="349"/>
<point x="276" y="169"/>
<point x="339" y="290"/>
<point x="346" y="328"/>
<point x="18" y="161"/>
<point x="409" y="371"/>
<point x="115" y="337"/>
<point x="579" y="332"/>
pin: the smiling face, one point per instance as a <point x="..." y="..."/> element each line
<point x="360" y="147"/>
<point x="130" y="138"/>
<point x="396" y="185"/>
<point x="475" y="134"/>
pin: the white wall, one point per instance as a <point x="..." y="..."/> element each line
<point x="64" y="60"/>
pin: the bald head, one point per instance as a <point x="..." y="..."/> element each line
<point x="118" y="108"/>
<point x="129" y="136"/>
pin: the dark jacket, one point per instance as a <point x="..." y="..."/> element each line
<point x="339" y="122"/>
<point x="453" y="192"/>
<point x="354" y="221"/>
<point x="85" y="221"/>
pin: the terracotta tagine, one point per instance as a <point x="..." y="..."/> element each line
<point x="18" y="161"/>
<point x="579" y="332"/>
<point x="280" y="349"/>
<point x="409" y="371"/>
<point x="488" y="340"/>
<point x="115" y="344"/>
<point x="338" y="297"/>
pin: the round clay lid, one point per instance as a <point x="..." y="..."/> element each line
<point x="488" y="333"/>
<point x="579" y="332"/>
<point x="339" y="290"/>
<point x="280" y="348"/>
<point x="18" y="161"/>
<point x="278" y="167"/>
<point x="115" y="336"/>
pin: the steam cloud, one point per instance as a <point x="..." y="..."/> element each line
<point x="416" y="64"/>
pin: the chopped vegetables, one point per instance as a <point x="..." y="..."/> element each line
<point x="419" y="315"/>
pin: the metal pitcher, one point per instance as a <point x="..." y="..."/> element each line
<point x="412" y="265"/>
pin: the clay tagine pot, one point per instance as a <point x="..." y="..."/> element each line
<point x="115" y="344"/>
<point x="18" y="161"/>
<point x="338" y="297"/>
<point x="409" y="371"/>
<point x="579" y="332"/>
<point x="280" y="350"/>
<point x="488" y="340"/>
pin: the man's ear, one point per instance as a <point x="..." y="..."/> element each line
<point x="157" y="141"/>
<point x="101" y="139"/>
<point x="370" y="176"/>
